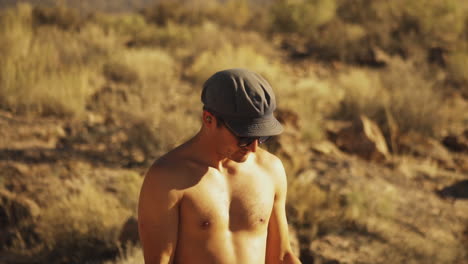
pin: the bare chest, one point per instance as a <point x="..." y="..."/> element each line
<point x="217" y="204"/>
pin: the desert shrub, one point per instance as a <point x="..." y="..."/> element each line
<point x="220" y="37"/>
<point x="119" y="72"/>
<point x="60" y="16"/>
<point x="363" y="94"/>
<point x="223" y="14"/>
<point x="170" y="35"/>
<point x="416" y="100"/>
<point x="187" y="42"/>
<point x="324" y="34"/>
<point x="373" y="209"/>
<point x="147" y="75"/>
<point x="196" y="13"/>
<point x="152" y="98"/>
<point x="180" y="11"/>
<point x="405" y="28"/>
<point x="126" y="187"/>
<point x="153" y="134"/>
<point x="457" y="66"/>
<point x="122" y="24"/>
<point x="403" y="93"/>
<point x="16" y="31"/>
<point x="165" y="11"/>
<point x="31" y="83"/>
<point x="154" y="66"/>
<point x="228" y="56"/>
<point x="364" y="202"/>
<point x="311" y="97"/>
<point x="83" y="225"/>
<point x="341" y="41"/>
<point x="351" y="30"/>
<point x="40" y="73"/>
<point x="132" y="255"/>
<point x="303" y="16"/>
<point x="440" y="21"/>
<point x="312" y="210"/>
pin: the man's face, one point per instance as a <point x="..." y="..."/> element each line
<point x="229" y="146"/>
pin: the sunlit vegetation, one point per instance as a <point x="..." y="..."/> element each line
<point x="395" y="62"/>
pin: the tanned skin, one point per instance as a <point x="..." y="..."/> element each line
<point x="210" y="201"/>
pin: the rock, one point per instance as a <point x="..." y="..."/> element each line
<point x="333" y="127"/>
<point x="16" y="208"/>
<point x="456" y="143"/>
<point x="458" y="190"/>
<point x="129" y="232"/>
<point x="327" y="148"/>
<point x="17" y="214"/>
<point x="364" y="139"/>
<point x="462" y="162"/>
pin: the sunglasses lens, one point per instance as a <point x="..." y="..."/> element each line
<point x="262" y="140"/>
<point x="246" y="141"/>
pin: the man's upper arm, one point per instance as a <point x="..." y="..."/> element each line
<point x="158" y="217"/>
<point x="278" y="246"/>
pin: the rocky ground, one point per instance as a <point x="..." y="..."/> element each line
<point x="351" y="200"/>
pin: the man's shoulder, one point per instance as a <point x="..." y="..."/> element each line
<point x="273" y="166"/>
<point x="268" y="161"/>
<point x="174" y="169"/>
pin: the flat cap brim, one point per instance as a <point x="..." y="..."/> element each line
<point x="257" y="127"/>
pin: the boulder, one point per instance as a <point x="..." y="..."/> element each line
<point x="363" y="138"/>
<point x="456" y="143"/>
<point x="17" y="215"/>
<point x="333" y="127"/>
<point x="129" y="232"/>
<point x="326" y="147"/>
<point x="16" y="208"/>
<point x="458" y="190"/>
<point x="461" y="162"/>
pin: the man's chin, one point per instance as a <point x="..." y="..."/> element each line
<point x="240" y="156"/>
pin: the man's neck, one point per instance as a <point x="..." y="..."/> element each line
<point x="205" y="152"/>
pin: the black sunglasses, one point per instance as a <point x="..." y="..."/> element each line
<point x="242" y="142"/>
<point x="246" y="141"/>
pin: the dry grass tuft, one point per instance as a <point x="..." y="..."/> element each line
<point x="312" y="210"/>
<point x="132" y="255"/>
<point x="82" y="225"/>
<point x="42" y="75"/>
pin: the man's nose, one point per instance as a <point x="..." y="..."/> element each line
<point x="253" y="146"/>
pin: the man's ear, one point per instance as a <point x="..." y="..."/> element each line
<point x="208" y="118"/>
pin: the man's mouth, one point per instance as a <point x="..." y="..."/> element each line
<point x="244" y="152"/>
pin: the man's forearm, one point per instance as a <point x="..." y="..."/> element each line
<point x="289" y="258"/>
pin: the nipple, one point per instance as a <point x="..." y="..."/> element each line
<point x="205" y="224"/>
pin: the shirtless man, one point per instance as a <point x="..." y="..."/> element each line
<point x="219" y="198"/>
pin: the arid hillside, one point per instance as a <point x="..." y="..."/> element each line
<point x="373" y="96"/>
